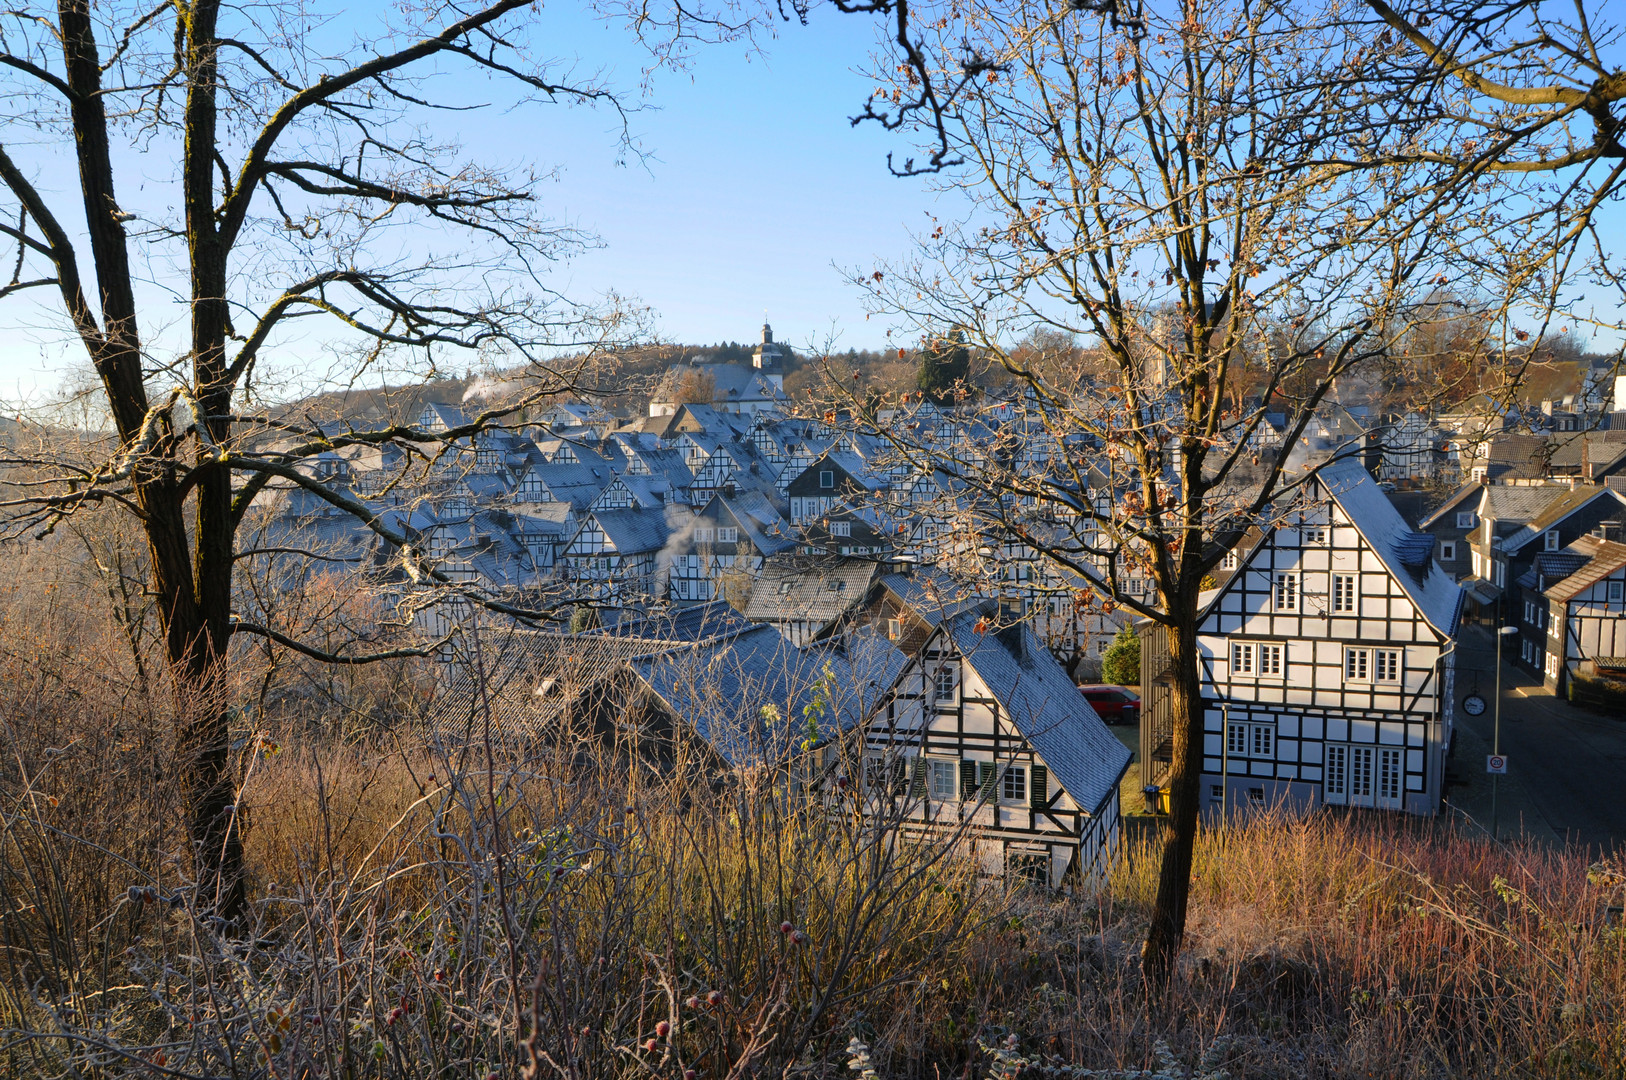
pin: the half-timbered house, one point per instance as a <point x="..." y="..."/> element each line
<point x="985" y="733"/>
<point x="1325" y="659"/>
<point x="1573" y="613"/>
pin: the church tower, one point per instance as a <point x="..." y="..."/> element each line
<point x="769" y="358"/>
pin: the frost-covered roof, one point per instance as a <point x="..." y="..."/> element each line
<point x="1437" y="597"/>
<point x="1042" y="703"/>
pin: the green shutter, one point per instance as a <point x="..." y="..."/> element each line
<point x="968" y="779"/>
<point x="917" y="778"/>
<point x="990" y="777"/>
<point x="1038" y="787"/>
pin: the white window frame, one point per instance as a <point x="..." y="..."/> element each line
<point x="1448" y="551"/>
<point x="1388" y="665"/>
<point x="729" y="534"/>
<point x="1467" y="519"/>
<point x="1241" y="658"/>
<point x="1262" y="742"/>
<point x="1018" y="774"/>
<point x="841" y="528"/>
<point x="1357" y="665"/>
<point x="1272" y="659"/>
<point x="1346" y="591"/>
<point x="1312" y="534"/>
<point x="943" y="684"/>
<point x="827" y="478"/>
<point x="1617" y="591"/>
<point x="1284" y="591"/>
<point x="936" y="770"/>
<point x="1549" y="540"/>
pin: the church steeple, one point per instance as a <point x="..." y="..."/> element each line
<point x="769" y="357"/>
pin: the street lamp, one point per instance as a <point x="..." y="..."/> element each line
<point x="1496" y="727"/>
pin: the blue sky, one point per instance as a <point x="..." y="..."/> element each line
<point x="753" y="189"/>
<point x="754" y="192"/>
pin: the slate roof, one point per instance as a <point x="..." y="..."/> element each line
<point x="817" y="589"/>
<point x="1559" y="509"/>
<point x="1607" y="556"/>
<point x="1437" y="597"/>
<point x="634" y="532"/>
<point x="740" y="687"/>
<point x="1465" y="497"/>
<point x="1517" y="503"/>
<point x="746" y="694"/>
<point x="929" y="595"/>
<point x="1041" y="702"/>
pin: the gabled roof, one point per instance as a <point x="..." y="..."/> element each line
<point x="1607" y="557"/>
<point x="634" y="532"/>
<point x="1041" y="702"/>
<point x="815" y="589"/>
<point x="1437" y="597"/>
<point x="1516" y="504"/>
<point x="746" y="694"/>
<point x="1465" y="495"/>
<point x="929" y="595"/>
<point x="1569" y="502"/>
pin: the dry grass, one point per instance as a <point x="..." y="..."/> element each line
<point x="416" y="913"/>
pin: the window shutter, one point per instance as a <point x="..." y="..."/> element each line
<point x="917" y="777"/>
<point x="1038" y="787"/>
<point x="990" y="776"/>
<point x="968" y="779"/>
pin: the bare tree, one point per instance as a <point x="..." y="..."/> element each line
<point x="308" y="199"/>
<point x="1173" y="188"/>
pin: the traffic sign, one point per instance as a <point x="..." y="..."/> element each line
<point x="1496" y="764"/>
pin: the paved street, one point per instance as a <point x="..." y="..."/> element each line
<point x="1567" y="766"/>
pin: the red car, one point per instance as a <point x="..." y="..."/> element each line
<point x="1114" y="704"/>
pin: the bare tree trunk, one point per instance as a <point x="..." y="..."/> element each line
<point x="1180" y="829"/>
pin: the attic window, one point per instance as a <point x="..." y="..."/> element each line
<point x="1550" y="540"/>
<point x="545" y="687"/>
<point x="827" y="479"/>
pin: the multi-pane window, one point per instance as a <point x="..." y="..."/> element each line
<point x="1229" y="561"/>
<point x="841" y="528"/>
<point x="1314" y="534"/>
<point x="943" y="779"/>
<point x="1357" y="665"/>
<point x="729" y="535"/>
<point x="1343" y="592"/>
<point x="1250" y="740"/>
<point x="1286" y="591"/>
<point x="1465" y="519"/>
<point x="1550" y="540"/>
<point x="945" y="684"/>
<point x="1254" y="658"/>
<point x="1241" y="658"/>
<point x="1013" y="785"/>
<point x="1386" y="665"/>
<point x="1270" y="659"/>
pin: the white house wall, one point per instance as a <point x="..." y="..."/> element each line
<point x="1313" y="702"/>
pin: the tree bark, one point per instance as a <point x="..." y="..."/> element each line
<point x="1179" y="833"/>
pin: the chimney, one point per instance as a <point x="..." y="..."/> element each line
<point x="1011" y="613"/>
